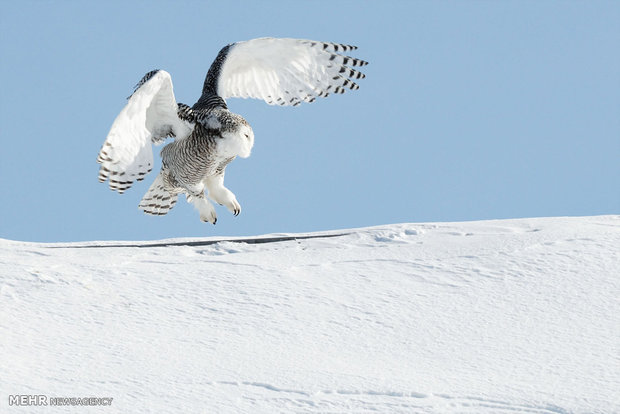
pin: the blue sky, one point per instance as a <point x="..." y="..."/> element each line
<point x="470" y="110"/>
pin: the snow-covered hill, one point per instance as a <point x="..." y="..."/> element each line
<point x="477" y="317"/>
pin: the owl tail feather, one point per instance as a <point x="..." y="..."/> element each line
<point x="158" y="200"/>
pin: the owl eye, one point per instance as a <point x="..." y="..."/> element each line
<point x="247" y="135"/>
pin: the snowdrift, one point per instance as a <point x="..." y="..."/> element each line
<point x="476" y="317"/>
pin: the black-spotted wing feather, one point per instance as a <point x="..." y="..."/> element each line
<point x="283" y="71"/>
<point x="150" y="116"/>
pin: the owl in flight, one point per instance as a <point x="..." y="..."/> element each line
<point x="207" y="136"/>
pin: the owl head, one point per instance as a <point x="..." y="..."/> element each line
<point x="238" y="137"/>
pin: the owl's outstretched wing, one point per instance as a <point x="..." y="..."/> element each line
<point x="282" y="71"/>
<point x="150" y="116"/>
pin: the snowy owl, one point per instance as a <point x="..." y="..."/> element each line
<point x="207" y="136"/>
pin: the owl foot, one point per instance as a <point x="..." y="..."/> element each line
<point x="208" y="219"/>
<point x="234" y="207"/>
<point x="231" y="204"/>
<point x="206" y="210"/>
<point x="222" y="195"/>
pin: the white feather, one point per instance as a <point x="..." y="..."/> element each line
<point x="286" y="71"/>
<point x="127" y="154"/>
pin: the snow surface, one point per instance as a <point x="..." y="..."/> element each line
<point x="476" y="317"/>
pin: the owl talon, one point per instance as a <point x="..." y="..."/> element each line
<point x="236" y="209"/>
<point x="211" y="220"/>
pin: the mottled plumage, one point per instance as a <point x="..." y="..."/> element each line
<point x="207" y="136"/>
